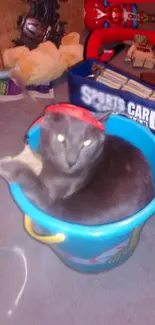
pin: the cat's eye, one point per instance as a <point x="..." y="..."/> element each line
<point x="60" y="137"/>
<point x="87" y="143"/>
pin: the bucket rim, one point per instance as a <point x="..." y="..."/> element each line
<point x="53" y="224"/>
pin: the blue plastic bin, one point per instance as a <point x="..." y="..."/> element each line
<point x="92" y="249"/>
<point x="97" y="97"/>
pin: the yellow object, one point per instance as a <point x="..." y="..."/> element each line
<point x="55" y="239"/>
<point x="46" y="62"/>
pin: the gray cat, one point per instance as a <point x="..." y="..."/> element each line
<point x="88" y="177"/>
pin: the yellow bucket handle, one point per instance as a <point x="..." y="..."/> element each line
<point x="55" y="239"/>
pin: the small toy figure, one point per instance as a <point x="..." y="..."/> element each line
<point x="40" y="24"/>
<point x="104" y="14"/>
<point x="141" y="53"/>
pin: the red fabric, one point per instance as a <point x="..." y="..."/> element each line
<point x="104" y="36"/>
<point x="78" y="112"/>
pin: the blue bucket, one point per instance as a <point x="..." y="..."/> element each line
<point x="92" y="249"/>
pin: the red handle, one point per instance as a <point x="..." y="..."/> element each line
<point x="105" y="36"/>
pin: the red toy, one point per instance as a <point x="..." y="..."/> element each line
<point x="101" y="37"/>
<point x="113" y="13"/>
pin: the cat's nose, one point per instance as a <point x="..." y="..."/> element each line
<point x="71" y="161"/>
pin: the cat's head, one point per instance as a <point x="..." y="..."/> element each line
<point x="70" y="144"/>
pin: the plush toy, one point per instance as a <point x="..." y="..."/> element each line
<point x="46" y="62"/>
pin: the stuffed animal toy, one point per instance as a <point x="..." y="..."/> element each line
<point x="46" y="62"/>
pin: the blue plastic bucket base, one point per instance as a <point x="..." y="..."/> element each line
<point x="95" y="269"/>
<point x="108" y="260"/>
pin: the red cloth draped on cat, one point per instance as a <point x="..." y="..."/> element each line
<point x="75" y="111"/>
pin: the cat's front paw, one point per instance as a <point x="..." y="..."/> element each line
<point x="9" y="169"/>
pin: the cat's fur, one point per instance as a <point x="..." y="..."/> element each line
<point x="103" y="182"/>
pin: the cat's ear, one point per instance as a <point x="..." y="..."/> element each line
<point x="46" y="121"/>
<point x="51" y="118"/>
<point x="103" y="117"/>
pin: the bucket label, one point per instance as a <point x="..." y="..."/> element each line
<point x="112" y="256"/>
